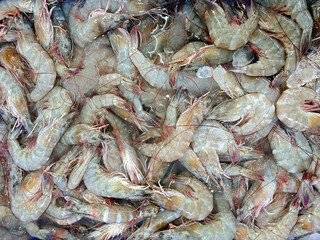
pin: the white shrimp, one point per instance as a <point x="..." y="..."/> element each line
<point x="30" y="196"/>
<point x="34" y="158"/>
<point x="40" y="61"/>
<point x="14" y="96"/>
<point x="230" y="36"/>
<point x="111" y="184"/>
<point x="251" y="113"/>
<point x="184" y="196"/>
<point x="298" y="108"/>
<point x="271" y="56"/>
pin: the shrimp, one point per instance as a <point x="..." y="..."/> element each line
<point x="221" y="227"/>
<point x="153" y="224"/>
<point x="11" y="6"/>
<point x="30" y="159"/>
<point x="230" y="36"/>
<point x="111" y="157"/>
<point x="40" y="61"/>
<point x="83" y="133"/>
<point x="228" y="82"/>
<point x="259" y="85"/>
<point x="298" y="108"/>
<point x="260" y="194"/>
<point x="30" y="196"/>
<point x="56" y="104"/>
<point x="308" y="221"/>
<point x="111" y="184"/>
<point x="101" y="212"/>
<point x="85" y="26"/>
<point x="96" y="103"/>
<point x="271" y="56"/>
<point x="178" y="141"/>
<point x="286" y="31"/>
<point x="15" y="64"/>
<point x="108" y="231"/>
<point x="291" y="151"/>
<point x="43" y="24"/>
<point x="131" y="162"/>
<point x="79" y="169"/>
<point x="279" y="229"/>
<point x="184" y="196"/>
<point x="298" y="10"/>
<point x="14" y="96"/>
<point x="255" y="113"/>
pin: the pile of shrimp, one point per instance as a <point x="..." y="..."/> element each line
<point x="160" y="119"/>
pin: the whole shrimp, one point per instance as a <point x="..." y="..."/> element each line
<point x="101" y="212"/>
<point x="178" y="141"/>
<point x="225" y="35"/>
<point x="291" y="150"/>
<point x="86" y="25"/>
<point x="183" y="196"/>
<point x="34" y="158"/>
<point x="279" y="229"/>
<point x="131" y="162"/>
<point x="298" y="10"/>
<point x="56" y="104"/>
<point x="288" y="33"/>
<point x="40" y="61"/>
<point x="271" y="56"/>
<point x="11" y="60"/>
<point x="111" y="184"/>
<point x="43" y="24"/>
<point x="14" y="97"/>
<point x="298" y="108"/>
<point x="247" y="115"/>
<point x="221" y="227"/>
<point x="31" y="195"/>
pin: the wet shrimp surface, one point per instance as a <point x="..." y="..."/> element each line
<point x="160" y="119"/>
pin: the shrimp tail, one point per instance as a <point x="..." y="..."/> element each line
<point x="279" y="79"/>
<point x="305" y="41"/>
<point x="108" y="231"/>
<point x="250" y="6"/>
<point x="150" y="119"/>
<point x="302" y="196"/>
<point x="134" y="38"/>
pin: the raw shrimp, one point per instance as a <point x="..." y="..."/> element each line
<point x="34" y="158"/>
<point x="230" y="36"/>
<point x="291" y="151"/>
<point x="260" y="194"/>
<point x="86" y="25"/>
<point x="177" y="143"/>
<point x="11" y="6"/>
<point x="271" y="56"/>
<point x="101" y="212"/>
<point x="83" y="133"/>
<point x="298" y="108"/>
<point x="184" y="196"/>
<point x="279" y="229"/>
<point x="221" y="227"/>
<point x="15" y="64"/>
<point x="111" y="157"/>
<point x="228" y="82"/>
<point x="79" y="169"/>
<point x="250" y="113"/>
<point x="15" y="100"/>
<point x="43" y="24"/>
<point x="298" y="11"/>
<point x="30" y="196"/>
<point x="98" y="102"/>
<point x="111" y="184"/>
<point x="286" y="31"/>
<point x="153" y="224"/>
<point x="56" y="104"/>
<point x="259" y="85"/>
<point x="40" y="61"/>
<point x="131" y="162"/>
